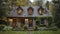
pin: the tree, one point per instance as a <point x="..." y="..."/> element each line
<point x="57" y="13"/>
<point x="4" y="8"/>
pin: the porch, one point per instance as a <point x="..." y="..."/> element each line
<point x="29" y="23"/>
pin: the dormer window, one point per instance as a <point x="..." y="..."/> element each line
<point x="20" y="10"/>
<point x="40" y="11"/>
<point x="30" y="10"/>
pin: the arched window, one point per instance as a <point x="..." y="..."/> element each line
<point x="30" y="10"/>
<point x="20" y="10"/>
<point x="40" y="11"/>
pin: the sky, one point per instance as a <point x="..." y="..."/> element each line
<point x="44" y="0"/>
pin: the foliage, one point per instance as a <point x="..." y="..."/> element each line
<point x="3" y="9"/>
<point x="25" y="27"/>
<point x="7" y="28"/>
<point x="3" y="22"/>
<point x="57" y="13"/>
<point x="36" y="28"/>
<point x="1" y="26"/>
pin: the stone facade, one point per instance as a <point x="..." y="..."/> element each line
<point x="33" y="20"/>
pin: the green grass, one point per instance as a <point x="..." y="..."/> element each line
<point x="27" y="32"/>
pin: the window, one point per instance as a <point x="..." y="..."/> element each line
<point x="10" y="20"/>
<point x="26" y="20"/>
<point x="30" y="22"/>
<point x="40" y="11"/>
<point x="30" y="10"/>
<point x="20" y="10"/>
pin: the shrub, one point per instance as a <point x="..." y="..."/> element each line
<point x="7" y="28"/>
<point x="36" y="28"/>
<point x="1" y="27"/>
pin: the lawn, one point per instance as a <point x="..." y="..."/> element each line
<point x="29" y="32"/>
